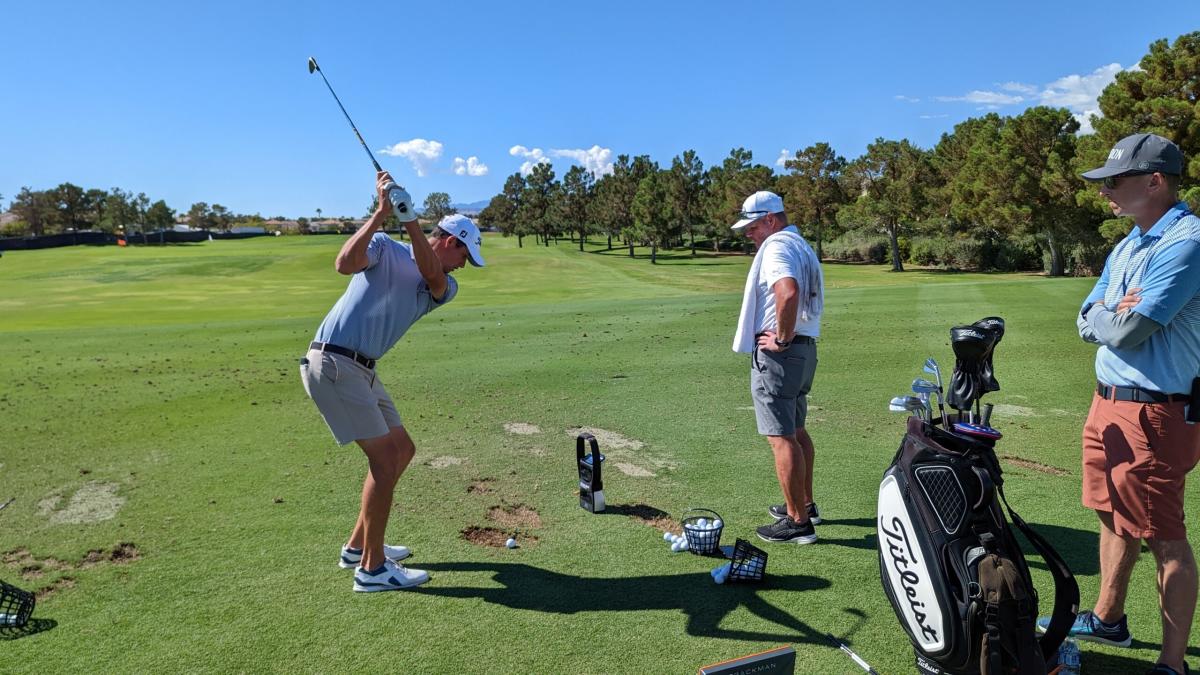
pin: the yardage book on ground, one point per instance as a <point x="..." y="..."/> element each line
<point x="775" y="661"/>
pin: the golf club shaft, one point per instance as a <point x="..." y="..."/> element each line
<point x="5" y="504"/>
<point x="339" y="102"/>
<point x="850" y="652"/>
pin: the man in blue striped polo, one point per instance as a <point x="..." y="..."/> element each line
<point x="1138" y="441"/>
<point x="392" y="285"/>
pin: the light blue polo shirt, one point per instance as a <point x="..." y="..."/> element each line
<point x="1165" y="263"/>
<point x="381" y="302"/>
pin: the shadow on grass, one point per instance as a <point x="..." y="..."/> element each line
<point x="1080" y="549"/>
<point x="1097" y="662"/>
<point x="868" y="541"/>
<point x="32" y="627"/>
<point x="540" y="590"/>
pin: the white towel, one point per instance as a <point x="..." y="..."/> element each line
<point x="812" y="293"/>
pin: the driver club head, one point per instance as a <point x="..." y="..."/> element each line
<point x="312" y="65"/>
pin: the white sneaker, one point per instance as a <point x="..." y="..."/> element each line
<point x="391" y="577"/>
<point x="351" y="557"/>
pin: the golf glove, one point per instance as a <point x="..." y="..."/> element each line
<point x="401" y="203"/>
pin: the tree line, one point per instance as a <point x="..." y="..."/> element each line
<point x="995" y="193"/>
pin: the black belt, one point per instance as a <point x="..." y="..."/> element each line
<point x="796" y="339"/>
<point x="1136" y="395"/>
<point x="334" y="349"/>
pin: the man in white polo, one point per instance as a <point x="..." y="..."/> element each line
<point x="778" y="325"/>
<point x="392" y="285"/>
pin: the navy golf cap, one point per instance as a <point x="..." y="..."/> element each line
<point x="1140" y="153"/>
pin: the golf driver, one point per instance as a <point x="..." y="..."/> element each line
<point x="396" y="194"/>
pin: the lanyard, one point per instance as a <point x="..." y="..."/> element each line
<point x="1126" y="276"/>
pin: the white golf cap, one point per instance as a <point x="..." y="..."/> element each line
<point x="758" y="205"/>
<point x="468" y="233"/>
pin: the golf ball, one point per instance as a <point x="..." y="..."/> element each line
<point x="717" y="523"/>
<point x="511" y="543"/>
<point x="719" y="578"/>
<point x="667" y="536"/>
<point x="703" y="522"/>
<point x="676" y="547"/>
<point x="683" y="545"/>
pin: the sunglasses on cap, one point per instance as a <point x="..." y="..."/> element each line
<point x="1112" y="182"/>
<point x="754" y="215"/>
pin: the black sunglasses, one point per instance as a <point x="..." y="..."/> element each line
<point x="1112" y="182"/>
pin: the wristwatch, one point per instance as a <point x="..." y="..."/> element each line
<point x="782" y="344"/>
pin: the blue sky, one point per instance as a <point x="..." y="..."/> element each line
<point x="213" y="102"/>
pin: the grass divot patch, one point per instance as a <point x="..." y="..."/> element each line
<point x="634" y="470"/>
<point x="514" y="515"/>
<point x="521" y="428"/>
<point x="608" y="439"/>
<point x="648" y="515"/>
<point x="481" y="486"/>
<point x="1036" y="466"/>
<point x="494" y="538"/>
<point x="93" y="502"/>
<point x="444" y="461"/>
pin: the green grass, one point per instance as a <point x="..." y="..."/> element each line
<point x="171" y="374"/>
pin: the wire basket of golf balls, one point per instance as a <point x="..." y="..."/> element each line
<point x="702" y="528"/>
<point x="748" y="562"/>
<point x="15" y="606"/>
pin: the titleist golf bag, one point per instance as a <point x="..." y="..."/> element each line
<point x="948" y="560"/>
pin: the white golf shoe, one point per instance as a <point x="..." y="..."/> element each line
<point x="391" y="576"/>
<point x="351" y="557"/>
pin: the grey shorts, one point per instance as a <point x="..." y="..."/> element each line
<point x="349" y="395"/>
<point x="779" y="385"/>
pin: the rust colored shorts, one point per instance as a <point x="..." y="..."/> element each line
<point x="1135" y="459"/>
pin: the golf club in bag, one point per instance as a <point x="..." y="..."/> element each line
<point x="396" y="194"/>
<point x="949" y="561"/>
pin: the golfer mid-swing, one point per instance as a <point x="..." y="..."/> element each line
<point x="392" y="284"/>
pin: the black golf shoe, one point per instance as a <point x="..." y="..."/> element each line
<point x="780" y="511"/>
<point x="788" y="531"/>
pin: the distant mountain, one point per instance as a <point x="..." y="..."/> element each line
<point x="471" y="209"/>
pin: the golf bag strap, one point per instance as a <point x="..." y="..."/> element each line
<point x="1066" y="589"/>
<point x="995" y="646"/>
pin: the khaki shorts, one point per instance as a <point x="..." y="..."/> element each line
<point x="349" y="395"/>
<point x="779" y="386"/>
<point x="1135" y="459"/>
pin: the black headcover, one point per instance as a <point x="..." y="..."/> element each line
<point x="972" y="348"/>
<point x="996" y="325"/>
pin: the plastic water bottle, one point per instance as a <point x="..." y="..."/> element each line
<point x="1068" y="657"/>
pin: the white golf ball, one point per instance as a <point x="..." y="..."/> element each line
<point x="717" y="523"/>
<point x="719" y="578"/>
<point x="667" y="536"/>
<point x="703" y="522"/>
<point x="511" y="543"/>
<point x="676" y="547"/>
<point x="683" y="545"/>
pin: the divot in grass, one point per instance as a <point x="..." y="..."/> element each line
<point x="608" y="439"/>
<point x="480" y="486"/>
<point x="1007" y="410"/>
<point x="633" y="470"/>
<point x="93" y="502"/>
<point x="444" y="461"/>
<point x="521" y="428"/>
<point x="493" y="538"/>
<point x="514" y="515"/>
<point x="1036" y="466"/>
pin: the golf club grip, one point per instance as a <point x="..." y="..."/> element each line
<point x="397" y="205"/>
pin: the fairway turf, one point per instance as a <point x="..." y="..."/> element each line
<point x="163" y="382"/>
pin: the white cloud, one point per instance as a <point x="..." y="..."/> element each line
<point x="1077" y="92"/>
<point x="470" y="166"/>
<point x="983" y="97"/>
<point x="906" y="99"/>
<point x="784" y="156"/>
<point x="595" y="159"/>
<point x="533" y="155"/>
<point x="1019" y="87"/>
<point x="934" y="117"/>
<point x="420" y="152"/>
